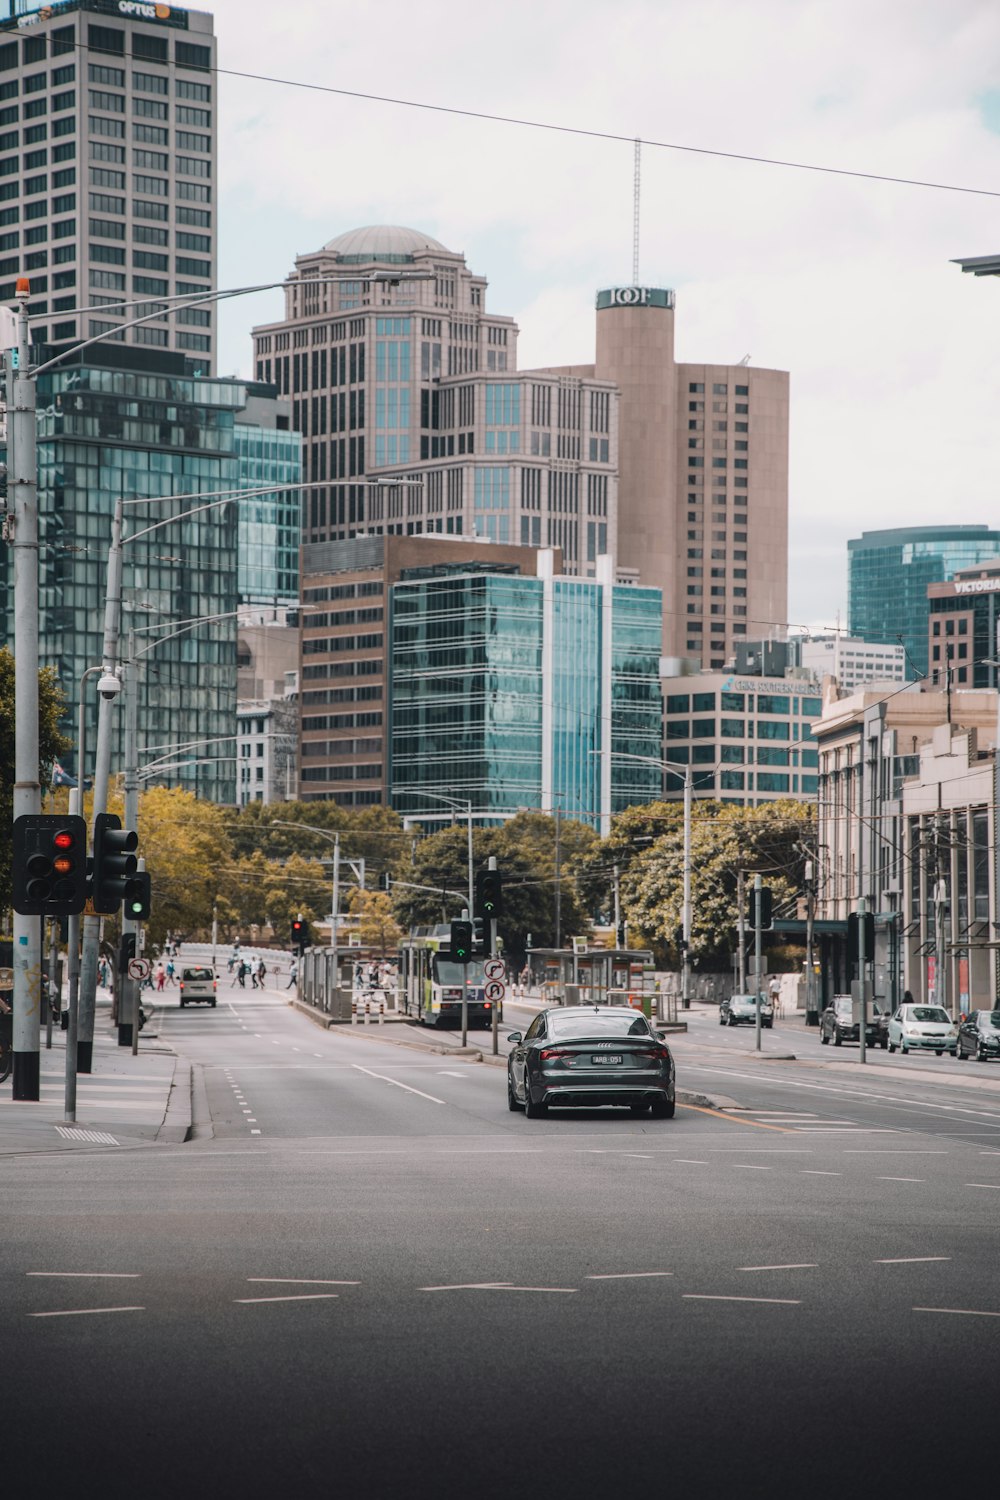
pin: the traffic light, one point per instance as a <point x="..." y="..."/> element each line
<point x="114" y="862"/>
<point x="461" y="940"/>
<point x="138" y="897"/>
<point x="126" y="951"/>
<point x="854" y="930"/>
<point x="760" y="917"/>
<point x="298" y="934"/>
<point x="50" y="865"/>
<point x="489" y="894"/>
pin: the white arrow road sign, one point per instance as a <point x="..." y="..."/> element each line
<point x="494" y="990"/>
<point x="138" y="968"/>
<point x="494" y="968"/>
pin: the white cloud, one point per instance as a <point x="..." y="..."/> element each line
<point x="847" y="284"/>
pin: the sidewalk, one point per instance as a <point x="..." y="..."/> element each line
<point x="126" y="1100"/>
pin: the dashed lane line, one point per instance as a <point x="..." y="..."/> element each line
<point x="959" y="1312"/>
<point x="909" y="1260"/>
<point x="801" y="1265"/>
<point x="301" y="1281"/>
<point x="298" y="1297"/>
<point x="626" y="1275"/>
<point x="396" y="1084"/>
<point x="715" y="1297"/>
<point x="88" y="1275"/>
<point x="82" y="1312"/>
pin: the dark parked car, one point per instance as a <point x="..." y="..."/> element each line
<point x="588" y="1056"/>
<point x="979" y="1036"/>
<point x="837" y="1024"/>
<point x="742" y="1010"/>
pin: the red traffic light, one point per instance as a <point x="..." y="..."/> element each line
<point x="64" y="839"/>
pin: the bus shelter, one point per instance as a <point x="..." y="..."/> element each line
<point x="596" y="976"/>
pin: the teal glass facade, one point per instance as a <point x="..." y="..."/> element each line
<point x="270" y="525"/>
<point x="888" y="574"/>
<point x="503" y="687"/>
<point x="106" y="431"/>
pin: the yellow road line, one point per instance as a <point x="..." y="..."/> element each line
<point x="702" y="1109"/>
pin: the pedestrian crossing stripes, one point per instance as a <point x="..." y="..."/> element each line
<point x="73" y="1133"/>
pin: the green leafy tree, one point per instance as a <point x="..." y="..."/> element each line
<point x="377" y="927"/>
<point x="51" y="744"/>
<point x="525" y="850"/>
<point x="773" y="839"/>
<point x="186" y="846"/>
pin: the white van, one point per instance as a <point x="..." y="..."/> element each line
<point x="198" y="984"/>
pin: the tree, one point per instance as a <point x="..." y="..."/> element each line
<point x="773" y="839"/>
<point x="524" y="849"/>
<point x="377" y="927"/>
<point x="186" y="846"/>
<point x="51" y="744"/>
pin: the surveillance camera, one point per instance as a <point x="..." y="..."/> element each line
<point x="109" y="687"/>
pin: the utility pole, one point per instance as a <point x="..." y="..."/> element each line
<point x="558" y="878"/>
<point x="495" y="1018"/>
<point x="128" y="989"/>
<point x="741" y="929"/>
<point x="758" y="946"/>
<point x="23" y="492"/>
<point x="862" y="976"/>
<point x="102" y="769"/>
<point x="686" y="967"/>
<point x="812" y="1009"/>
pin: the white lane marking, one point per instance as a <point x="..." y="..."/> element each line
<point x="892" y="1151"/>
<point x="255" y="1132"/>
<point x="246" y="1111"/>
<point x="909" y="1260"/>
<point x="901" y="1179"/>
<point x="814" y="1172"/>
<point x="302" y="1281"/>
<point x="108" y="1275"/>
<point x="959" y="1312"/>
<point x="300" y="1297"/>
<point x="795" y="1265"/>
<point x="447" y="1073"/>
<point x="741" y="1166"/>
<point x="81" y="1312"/>
<point x="643" y="1155"/>
<point x="495" y="1286"/>
<point x="710" y="1297"/>
<point x="626" y="1275"/>
<point x="317" y="1054"/>
<point x="396" y="1084"/>
<point x="994" y="1185"/>
<point x="251" y="1121"/>
<point x="690" y="1161"/>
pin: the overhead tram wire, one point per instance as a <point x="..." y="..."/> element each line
<point x="626" y="138"/>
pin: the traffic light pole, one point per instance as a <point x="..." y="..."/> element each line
<point x="493" y="953"/>
<point x="23" y="492"/>
<point x="758" y="947"/>
<point x="128" y="1003"/>
<point x="102" y="769"/>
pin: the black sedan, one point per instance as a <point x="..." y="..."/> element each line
<point x="588" y="1056"/>
<point x="979" y="1036"/>
<point x="838" y="1024"/>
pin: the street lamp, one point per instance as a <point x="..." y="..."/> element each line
<point x="21" y="531"/>
<point x="459" y="803"/>
<point x="664" y="765"/>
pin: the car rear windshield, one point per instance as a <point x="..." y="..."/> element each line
<point x="198" y="974"/>
<point x="599" y="1023"/>
<point x="929" y="1013"/>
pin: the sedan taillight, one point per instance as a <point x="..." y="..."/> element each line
<point x="548" y="1054"/>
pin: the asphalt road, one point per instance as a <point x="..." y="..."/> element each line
<point x="370" y="1277"/>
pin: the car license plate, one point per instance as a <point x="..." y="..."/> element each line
<point x="607" y="1057"/>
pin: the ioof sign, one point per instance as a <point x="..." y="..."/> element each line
<point x="138" y="968"/>
<point x="494" y="968"/>
<point x="494" y="990"/>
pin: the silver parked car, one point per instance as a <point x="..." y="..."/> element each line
<point x="922" y="1028"/>
<point x="741" y="1010"/>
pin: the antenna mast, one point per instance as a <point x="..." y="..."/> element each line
<point x="636" y="191"/>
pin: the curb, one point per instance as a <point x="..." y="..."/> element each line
<point x="201" y="1128"/>
<point x="176" y="1126"/>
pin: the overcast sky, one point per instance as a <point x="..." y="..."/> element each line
<point x="845" y="283"/>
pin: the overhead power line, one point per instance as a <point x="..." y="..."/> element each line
<point x="610" y="135"/>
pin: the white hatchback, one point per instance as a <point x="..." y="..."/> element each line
<point x="923" y="1028"/>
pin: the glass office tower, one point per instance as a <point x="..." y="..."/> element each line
<point x="888" y="575"/>
<point x="142" y="426"/>
<point x="270" y="525"/>
<point x="515" y="692"/>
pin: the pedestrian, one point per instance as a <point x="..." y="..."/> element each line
<point x="171" y="975"/>
<point x="261" y="971"/>
<point x="293" y="974"/>
<point x="774" y="990"/>
<point x="161" y="976"/>
<point x="241" y="974"/>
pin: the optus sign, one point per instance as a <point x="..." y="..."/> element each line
<point x="143" y="11"/>
<point x="635" y="296"/>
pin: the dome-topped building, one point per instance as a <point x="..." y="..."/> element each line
<point x="383" y="242"/>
